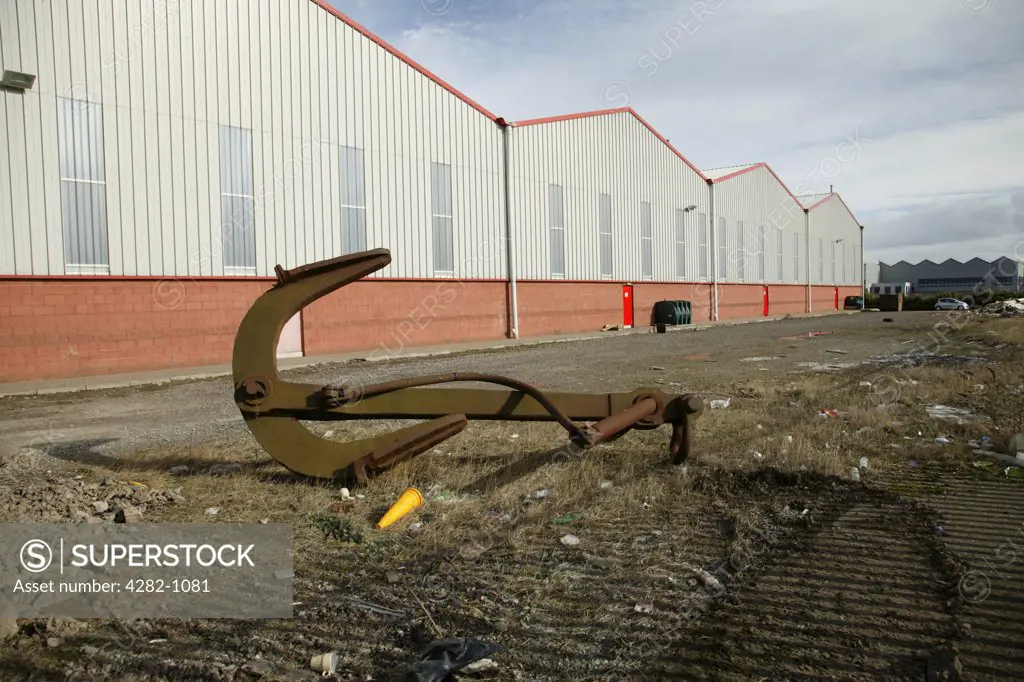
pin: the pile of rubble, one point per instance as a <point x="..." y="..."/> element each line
<point x="1009" y="308"/>
<point x="78" y="501"/>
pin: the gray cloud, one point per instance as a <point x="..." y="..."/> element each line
<point x="782" y="81"/>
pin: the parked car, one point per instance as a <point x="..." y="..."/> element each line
<point x="853" y="303"/>
<point x="951" y="304"/>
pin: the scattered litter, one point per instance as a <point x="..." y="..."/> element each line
<point x="720" y="404"/>
<point x="828" y="413"/>
<point x="760" y="428"/>
<point x="767" y="358"/>
<point x="979" y="387"/>
<point x="329" y="434"/>
<point x="1008" y="308"/>
<point x="444" y="657"/>
<point x="983" y="443"/>
<point x="375" y="608"/>
<point x="855" y="475"/>
<point x="360" y="496"/>
<point x="496" y="515"/>
<point x="863" y="464"/>
<point x="157" y="641"/>
<point x="1016" y="444"/>
<point x="610" y="328"/>
<point x="325" y="663"/>
<point x="709" y="581"/>
<point x="657" y="369"/>
<point x="415" y="528"/>
<point x="789" y="439"/>
<point x="212" y="511"/>
<point x="837" y="351"/>
<point x="180" y="470"/>
<point x="950" y="414"/>
<point x="864" y="429"/>
<point x="541" y="494"/>
<point x="565" y="519"/>
<point x="570" y="540"/>
<point x="481" y="666"/>
<point x="224" y="469"/>
<point x="942" y="440"/>
<point x="345" y="494"/>
<point x="644" y="608"/>
<point x="607" y="485"/>
<point x="514" y="436"/>
<point x="1006" y="459"/>
<point x="757" y="455"/>
<point x="865" y="384"/>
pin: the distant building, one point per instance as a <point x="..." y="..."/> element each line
<point x="973" y="277"/>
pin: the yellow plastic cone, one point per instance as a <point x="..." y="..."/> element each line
<point x="409" y="500"/>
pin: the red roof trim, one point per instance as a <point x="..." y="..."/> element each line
<point x="774" y="175"/>
<point x="740" y="172"/>
<point x="323" y="4"/>
<point x="607" y="112"/>
<point x="834" y="194"/>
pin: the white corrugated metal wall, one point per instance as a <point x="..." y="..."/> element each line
<point x="613" y="155"/>
<point x="830" y="221"/>
<point x="165" y="75"/>
<point x="760" y="216"/>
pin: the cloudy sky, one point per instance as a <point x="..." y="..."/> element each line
<point x="914" y="110"/>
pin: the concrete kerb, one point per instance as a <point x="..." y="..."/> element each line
<point x="161" y="377"/>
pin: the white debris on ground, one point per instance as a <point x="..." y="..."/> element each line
<point x="721" y="404"/>
<point x="950" y="414"/>
<point x="1013" y="307"/>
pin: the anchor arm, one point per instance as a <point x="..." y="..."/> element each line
<point x="273" y="407"/>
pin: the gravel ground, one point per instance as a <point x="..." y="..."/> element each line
<point x="99" y="424"/>
<point x="724" y="569"/>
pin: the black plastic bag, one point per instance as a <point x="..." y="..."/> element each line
<point x="447" y="656"/>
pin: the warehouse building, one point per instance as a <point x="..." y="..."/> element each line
<point x="163" y="157"/>
<point x="976" y="276"/>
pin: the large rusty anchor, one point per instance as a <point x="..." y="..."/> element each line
<point x="273" y="407"/>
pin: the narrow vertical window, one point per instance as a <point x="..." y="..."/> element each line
<point x="796" y="257"/>
<point x="605" y="234"/>
<point x="238" y="219"/>
<point x="646" y="241"/>
<point x="442" y="219"/>
<point x="680" y="243"/>
<point x="779" y="262"/>
<point x="741" y="253"/>
<point x="353" y="200"/>
<point x="702" y="244"/>
<point x="83" y="186"/>
<point x="762" y="253"/>
<point x="723" y="251"/>
<point x="556" y="211"/>
<point x="821" y="260"/>
<point x="843" y="261"/>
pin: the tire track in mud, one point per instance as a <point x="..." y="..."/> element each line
<point x="869" y="595"/>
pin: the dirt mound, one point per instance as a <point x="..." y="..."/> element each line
<point x="60" y="500"/>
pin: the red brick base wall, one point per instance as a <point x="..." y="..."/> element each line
<point x="547" y="308"/>
<point x="823" y="299"/>
<point x="391" y="316"/>
<point x="567" y="307"/>
<point x="64" y="328"/>
<point x="740" y="301"/>
<point x="786" y="299"/>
